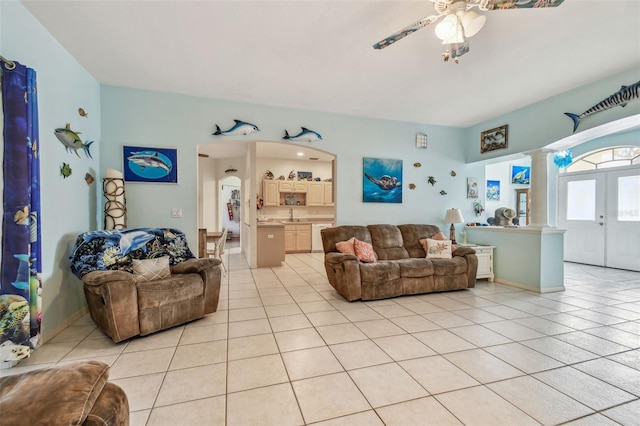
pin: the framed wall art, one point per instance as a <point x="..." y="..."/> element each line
<point x="493" y="139"/>
<point x="472" y="187"/>
<point x="493" y="190"/>
<point x="147" y="164"/>
<point x="381" y="181"/>
<point x="305" y="175"/>
<point x="521" y="175"/>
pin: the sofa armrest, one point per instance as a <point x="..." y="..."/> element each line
<point x="209" y="270"/>
<point x="463" y="251"/>
<point x="194" y="266"/>
<point x="112" y="298"/>
<point x="472" y="263"/>
<point x="343" y="273"/>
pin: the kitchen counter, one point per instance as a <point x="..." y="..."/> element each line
<point x="270" y="224"/>
<point x="270" y="239"/>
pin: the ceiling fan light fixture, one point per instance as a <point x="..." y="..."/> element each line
<point x="472" y="22"/>
<point x="447" y="28"/>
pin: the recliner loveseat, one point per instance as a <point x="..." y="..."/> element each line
<point x="141" y="280"/>
<point x="401" y="267"/>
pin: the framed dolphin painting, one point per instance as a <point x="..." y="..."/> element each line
<point x="147" y="164"/>
<point x="381" y="181"/>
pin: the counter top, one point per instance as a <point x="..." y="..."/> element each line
<point x="296" y="221"/>
<point x="270" y="225"/>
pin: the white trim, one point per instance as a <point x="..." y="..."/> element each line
<point x="530" y="287"/>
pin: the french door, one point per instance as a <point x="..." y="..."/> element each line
<point x="601" y="213"/>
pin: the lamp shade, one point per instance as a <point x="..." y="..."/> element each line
<point x="472" y="22"/>
<point x="447" y="28"/>
<point x="453" y="216"/>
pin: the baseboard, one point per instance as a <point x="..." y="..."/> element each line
<point x="64" y="324"/>
<point x="529" y="287"/>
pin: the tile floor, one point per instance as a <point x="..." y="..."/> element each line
<point x="285" y="349"/>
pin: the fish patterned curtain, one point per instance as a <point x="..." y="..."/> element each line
<point x="20" y="252"/>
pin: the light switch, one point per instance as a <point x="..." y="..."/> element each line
<point x="176" y="212"/>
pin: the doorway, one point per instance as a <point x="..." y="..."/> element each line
<point x="230" y="207"/>
<point x="601" y="212"/>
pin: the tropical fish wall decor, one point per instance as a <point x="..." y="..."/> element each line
<point x="305" y="135"/>
<point x="443" y="192"/>
<point x="239" y="128"/>
<point x="82" y="112"/>
<point x="72" y="141"/>
<point x="88" y="177"/>
<point x="412" y="186"/>
<point x="416" y="165"/>
<point x="65" y="170"/>
<point x="620" y="98"/>
<point x="453" y="173"/>
<point x="268" y="174"/>
<point x="431" y="180"/>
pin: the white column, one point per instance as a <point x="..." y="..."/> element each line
<point x="539" y="188"/>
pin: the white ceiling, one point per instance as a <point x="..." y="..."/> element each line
<point x="318" y="55"/>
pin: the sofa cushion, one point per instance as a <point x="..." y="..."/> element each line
<point x="415" y="267"/>
<point x="387" y="242"/>
<point x="364" y="251"/>
<point x="346" y="246"/>
<point x="151" y="269"/>
<point x="437" y="249"/>
<point x="453" y="266"/>
<point x="176" y="288"/>
<point x="411" y="235"/>
<point x="379" y="271"/>
<point x="60" y="395"/>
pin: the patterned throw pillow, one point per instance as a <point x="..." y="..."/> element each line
<point x="346" y="246"/>
<point x="364" y="251"/>
<point x="437" y="249"/>
<point x="439" y="237"/>
<point x="151" y="269"/>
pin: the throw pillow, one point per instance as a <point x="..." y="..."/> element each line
<point x="437" y="249"/>
<point x="439" y="236"/>
<point x="364" y="251"/>
<point x="346" y="246"/>
<point x="151" y="269"/>
<point x="423" y="243"/>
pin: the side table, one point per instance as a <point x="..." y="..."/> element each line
<point x="485" y="260"/>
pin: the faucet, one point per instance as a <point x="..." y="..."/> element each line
<point x="290" y="215"/>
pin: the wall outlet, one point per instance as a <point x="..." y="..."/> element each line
<point x="176" y="212"/>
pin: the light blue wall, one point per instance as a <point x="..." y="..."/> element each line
<point x="69" y="206"/>
<point x="146" y="118"/>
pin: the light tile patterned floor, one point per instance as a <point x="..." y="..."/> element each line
<point x="285" y="349"/>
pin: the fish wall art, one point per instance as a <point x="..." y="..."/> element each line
<point x="82" y="112"/>
<point x="72" y="141"/>
<point x="239" y="128"/>
<point x="144" y="164"/>
<point x="305" y="135"/>
<point x="620" y="98"/>
<point x="65" y="170"/>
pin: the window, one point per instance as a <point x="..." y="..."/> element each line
<point x="619" y="156"/>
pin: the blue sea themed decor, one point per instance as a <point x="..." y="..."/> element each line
<point x="65" y="170"/>
<point x="431" y="180"/>
<point x="305" y="135"/>
<point x="493" y="190"/>
<point x="82" y="112"/>
<point x="145" y="164"/>
<point x="239" y="128"/>
<point x="72" y="141"/>
<point x="521" y="175"/>
<point x="443" y="192"/>
<point x="472" y="187"/>
<point x="563" y="159"/>
<point x="620" y="98"/>
<point x="382" y="181"/>
<point x="305" y="175"/>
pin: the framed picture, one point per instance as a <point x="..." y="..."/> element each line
<point x="493" y="190"/>
<point x="147" y="164"/>
<point x="381" y="181"/>
<point x="472" y="187"/>
<point x="493" y="139"/>
<point x="305" y="176"/>
<point x="521" y="175"/>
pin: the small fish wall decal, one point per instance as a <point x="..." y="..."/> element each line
<point x="72" y="141"/>
<point x="65" y="170"/>
<point x="268" y="174"/>
<point x="292" y="175"/>
<point x="22" y="216"/>
<point x="417" y="165"/>
<point x="82" y="112"/>
<point x="453" y="173"/>
<point x="412" y="186"/>
<point x="443" y="192"/>
<point x="305" y="135"/>
<point x="431" y="180"/>
<point x="88" y="178"/>
<point x="620" y="98"/>
<point x="239" y="128"/>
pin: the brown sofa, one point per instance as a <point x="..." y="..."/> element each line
<point x="402" y="267"/>
<point x="125" y="304"/>
<point x="71" y="394"/>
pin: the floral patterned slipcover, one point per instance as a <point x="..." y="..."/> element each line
<point x="115" y="249"/>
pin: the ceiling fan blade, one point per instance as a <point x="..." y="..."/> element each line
<point x="406" y="31"/>
<point x="521" y="4"/>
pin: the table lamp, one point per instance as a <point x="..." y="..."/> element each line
<point x="453" y="216"/>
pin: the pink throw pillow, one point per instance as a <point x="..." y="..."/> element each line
<point x="346" y="246"/>
<point x="364" y="251"/>
<point x="440" y="236"/>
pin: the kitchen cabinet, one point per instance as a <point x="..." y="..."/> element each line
<point x="297" y="238"/>
<point x="320" y="194"/>
<point x="292" y="186"/>
<point x="270" y="245"/>
<point x="270" y="193"/>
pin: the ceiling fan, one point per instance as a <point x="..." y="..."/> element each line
<point x="459" y="22"/>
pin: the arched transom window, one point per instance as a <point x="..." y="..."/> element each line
<point x="618" y="156"/>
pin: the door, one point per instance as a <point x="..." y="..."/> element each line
<point x="601" y="213"/>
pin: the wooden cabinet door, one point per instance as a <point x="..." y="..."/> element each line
<point x="285" y="185"/>
<point x="303" y="238"/>
<point x="289" y="238"/>
<point x="328" y="193"/>
<point x="300" y="186"/>
<point x="270" y="193"/>
<point x="315" y="194"/>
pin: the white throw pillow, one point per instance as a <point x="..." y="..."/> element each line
<point x="151" y="269"/>
<point x="438" y="249"/>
